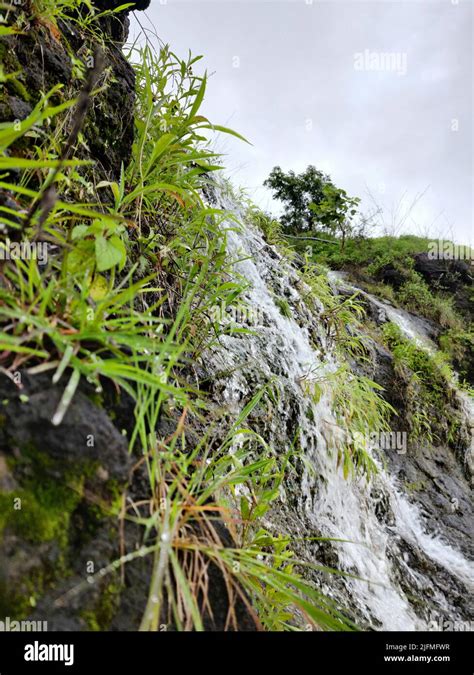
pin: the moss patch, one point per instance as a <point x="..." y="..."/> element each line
<point x="99" y="617"/>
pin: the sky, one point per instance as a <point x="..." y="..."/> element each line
<point x="376" y="93"/>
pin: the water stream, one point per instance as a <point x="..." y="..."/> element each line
<point x="388" y="541"/>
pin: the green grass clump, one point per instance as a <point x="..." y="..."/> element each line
<point x="415" y="296"/>
<point x="272" y="230"/>
<point x="361" y="412"/>
<point x="361" y="252"/>
<point x="428" y="383"/>
<point x="284" y="307"/>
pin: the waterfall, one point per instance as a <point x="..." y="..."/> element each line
<point x="415" y="328"/>
<point x="388" y="549"/>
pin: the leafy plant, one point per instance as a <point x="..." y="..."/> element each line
<point x="361" y="412"/>
<point x="428" y="385"/>
<point x="311" y="200"/>
<point x="335" y="212"/>
<point x="342" y="316"/>
<point x="127" y="294"/>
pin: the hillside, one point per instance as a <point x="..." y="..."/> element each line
<point x="201" y="426"/>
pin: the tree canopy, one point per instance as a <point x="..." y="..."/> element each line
<point x="312" y="202"/>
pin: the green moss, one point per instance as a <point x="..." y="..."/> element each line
<point x="284" y="307"/>
<point x="20" y="89"/>
<point x="310" y="414"/>
<point x="428" y="382"/>
<point x="99" y="617"/>
<point x="40" y="511"/>
<point x="8" y="57"/>
<point x="11" y="65"/>
<point x="45" y="503"/>
<point x="415" y="486"/>
<point x="18" y="602"/>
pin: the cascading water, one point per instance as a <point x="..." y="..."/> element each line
<point x="417" y="329"/>
<point x="412" y="327"/>
<point x="388" y="548"/>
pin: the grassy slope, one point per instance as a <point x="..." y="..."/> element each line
<point x="127" y="296"/>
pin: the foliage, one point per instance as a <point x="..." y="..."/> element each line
<point x="428" y="384"/>
<point x="311" y="202"/>
<point x="365" y="258"/>
<point x="364" y="251"/>
<point x="243" y="476"/>
<point x="361" y="412"/>
<point x="416" y="296"/>
<point x="126" y="294"/>
<point x="272" y="230"/>
<point x="342" y="316"/>
<point x="297" y="192"/>
<point x="335" y="212"/>
<point x="458" y="344"/>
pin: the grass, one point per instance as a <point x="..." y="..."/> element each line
<point x="197" y="488"/>
<point x="362" y="252"/>
<point x="365" y="258"/>
<point x="128" y="294"/>
<point x="341" y="316"/>
<point x="428" y="383"/>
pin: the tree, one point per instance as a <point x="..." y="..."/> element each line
<point x="312" y="202"/>
<point x="336" y="211"/>
<point x="297" y="192"/>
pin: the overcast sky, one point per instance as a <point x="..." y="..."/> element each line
<point x="376" y="93"/>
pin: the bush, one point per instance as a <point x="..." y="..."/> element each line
<point x="427" y="381"/>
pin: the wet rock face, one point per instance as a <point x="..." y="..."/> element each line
<point x="86" y="433"/>
<point x="434" y="477"/>
<point x="447" y="274"/>
<point x="44" y="60"/>
<point x="452" y="276"/>
<point x="58" y="487"/>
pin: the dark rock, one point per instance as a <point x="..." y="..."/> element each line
<point x="85" y="435"/>
<point x="445" y="274"/>
<point x="44" y="62"/>
<point x="15" y="108"/>
<point x="391" y="275"/>
<point x="66" y="477"/>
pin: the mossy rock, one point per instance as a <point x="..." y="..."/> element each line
<point x="36" y="62"/>
<point x="60" y="491"/>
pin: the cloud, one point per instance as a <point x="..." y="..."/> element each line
<point x="284" y="75"/>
